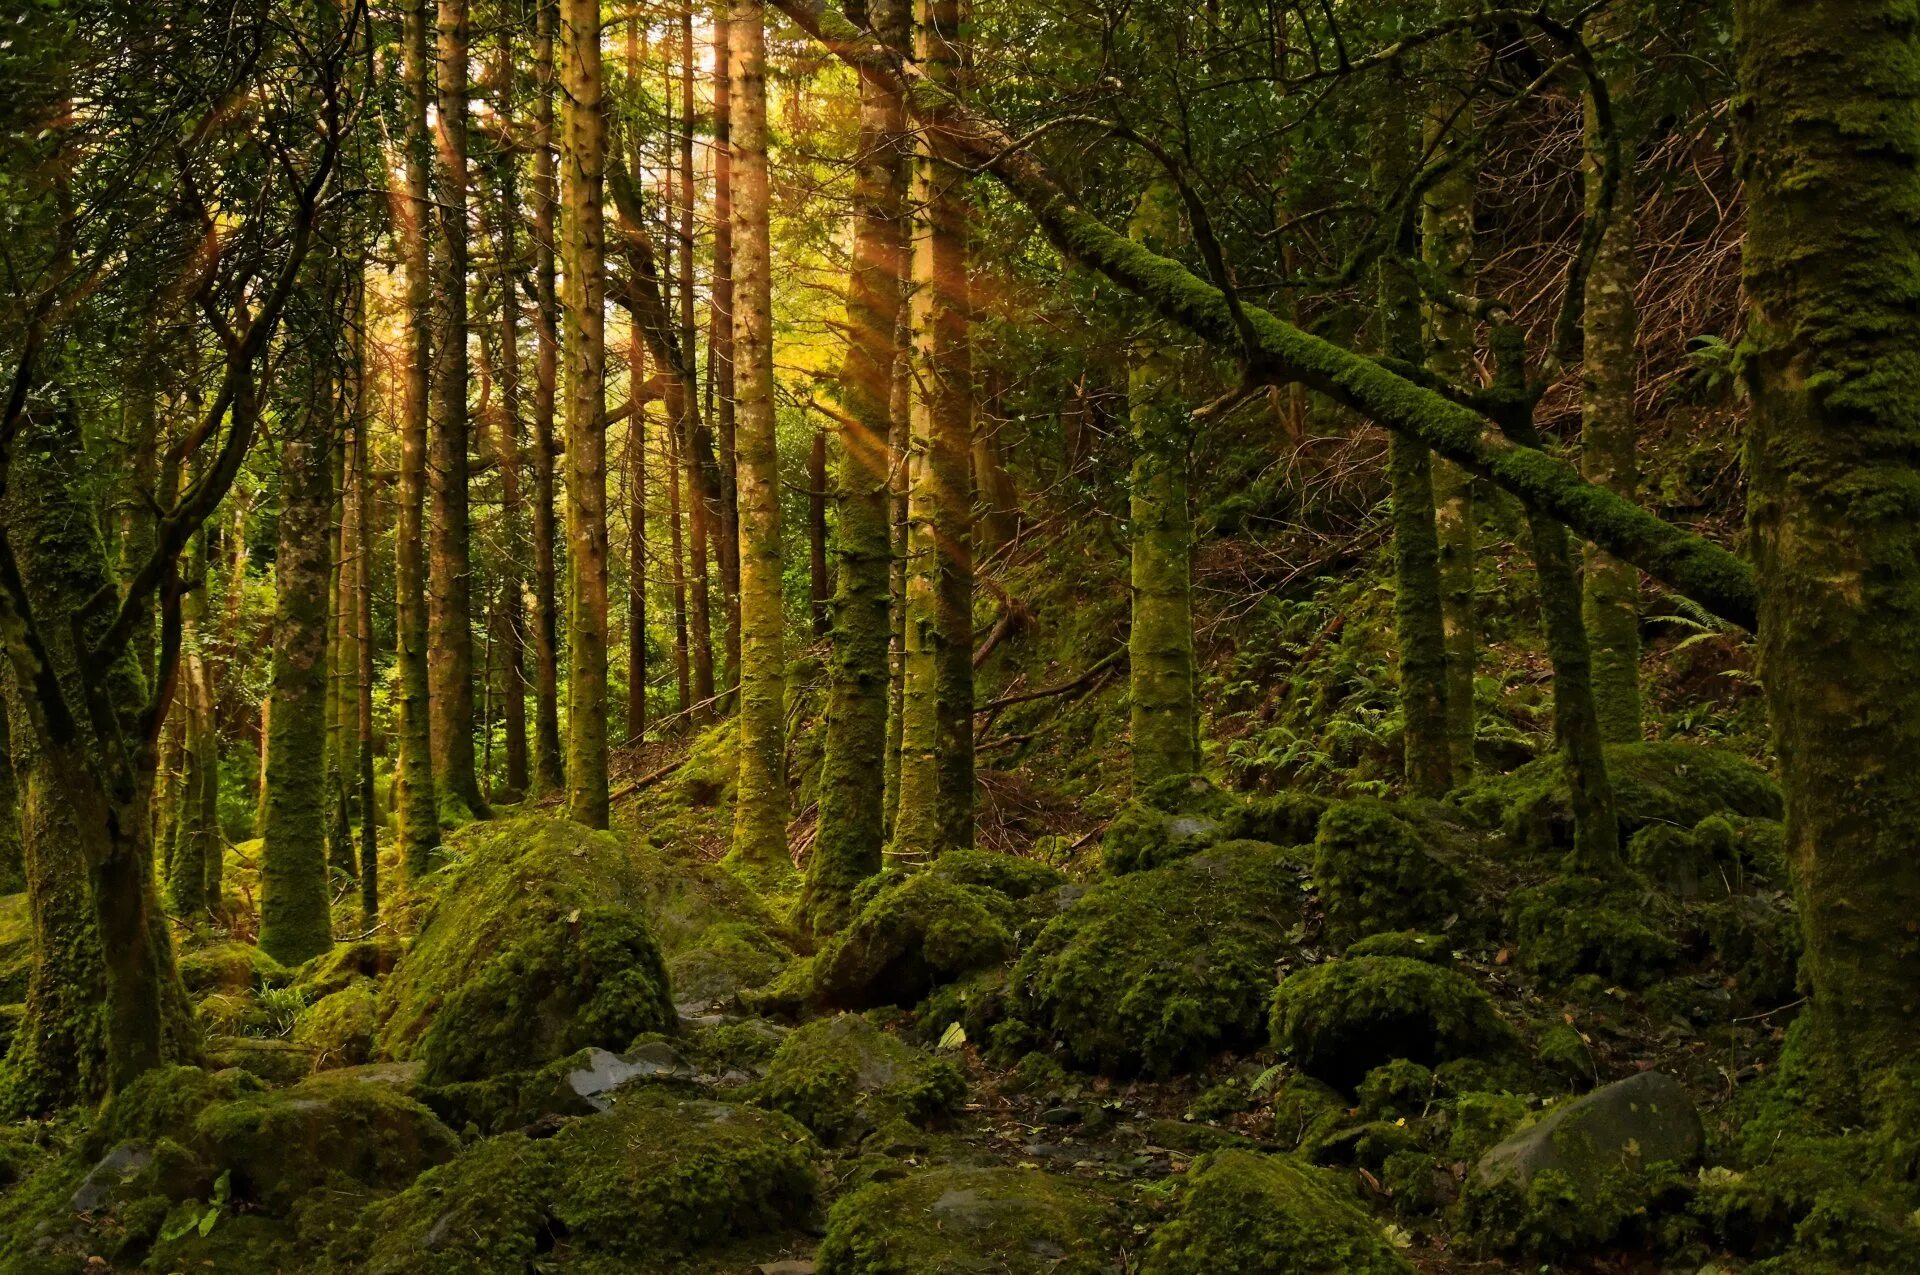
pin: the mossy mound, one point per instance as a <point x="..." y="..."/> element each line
<point x="1259" y="1214"/>
<point x="915" y="930"/>
<point x="1340" y="1020"/>
<point x="230" y="969"/>
<point x="962" y="1221"/>
<point x="276" y="1061"/>
<point x="639" y="1189"/>
<point x="1578" y="925"/>
<point x="1187" y="813"/>
<point x="536" y="947"/>
<point x="1157" y="970"/>
<point x="1653" y="783"/>
<point x="343" y="963"/>
<point x="339" y="1027"/>
<point x="716" y="935"/>
<point x="1373" y="873"/>
<point x="1408" y="943"/>
<point x="843" y="1078"/>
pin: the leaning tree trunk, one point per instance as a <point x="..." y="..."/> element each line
<point x="847" y="846"/>
<point x="1162" y="715"/>
<point x="419" y="815"/>
<point x="1607" y="451"/>
<point x="450" y="587"/>
<point x="760" y="789"/>
<point x="936" y="747"/>
<point x="583" y="156"/>
<point x="1830" y="133"/>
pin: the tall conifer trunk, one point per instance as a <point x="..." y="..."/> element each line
<point x="510" y="446"/>
<point x="548" y="766"/>
<point x="720" y="349"/>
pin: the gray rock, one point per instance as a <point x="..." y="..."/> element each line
<point x="1643" y="1120"/>
<point x="116" y="1169"/>
<point x="607" y="1071"/>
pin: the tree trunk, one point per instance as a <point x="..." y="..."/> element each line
<point x="760" y="800"/>
<point x="419" y="815"/>
<point x="720" y="349"/>
<point x="583" y="156"/>
<point x="1607" y="451"/>
<point x="847" y="846"/>
<point x="1830" y="132"/>
<point x="936" y="747"/>
<point x="899" y="440"/>
<point x="1163" y="719"/>
<point x="363" y="636"/>
<point x="682" y="676"/>
<point x="636" y="545"/>
<point x="13" y="868"/>
<point x="510" y="445"/>
<point x="548" y="769"/>
<point x="819" y="589"/>
<point x="1446" y="243"/>
<point x="697" y="448"/>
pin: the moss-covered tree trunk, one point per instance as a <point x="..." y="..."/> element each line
<point x="13" y="868"/>
<point x="636" y="465"/>
<point x="418" y="810"/>
<point x="819" y="583"/>
<point x="1162" y="714"/>
<point x="847" y="847"/>
<point x="935" y="810"/>
<point x="1608" y="448"/>
<point x="1446" y="245"/>
<point x="1419" y="627"/>
<point x="190" y="838"/>
<point x="899" y="443"/>
<point x="450" y="579"/>
<point x="295" y="918"/>
<point x="720" y="351"/>
<point x="703" y="478"/>
<point x="510" y="444"/>
<point x="363" y="528"/>
<point x="1830" y="137"/>
<point x="760" y="790"/>
<point x="548" y="765"/>
<point x="583" y="252"/>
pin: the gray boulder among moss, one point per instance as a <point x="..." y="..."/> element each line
<point x="913" y="931"/>
<point x="964" y="1221"/>
<point x="1158" y="970"/>
<point x="536" y="946"/>
<point x="1340" y="1020"/>
<point x="843" y="1078"/>
<point x="641" y="1189"/>
<point x="1259" y="1214"/>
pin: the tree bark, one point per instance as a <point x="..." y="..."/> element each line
<point x="583" y="156"/>
<point x="636" y="545"/>
<point x="936" y="747"/>
<point x="760" y="800"/>
<point x="548" y="767"/>
<point x="853" y="773"/>
<point x="510" y="445"/>
<point x="720" y="350"/>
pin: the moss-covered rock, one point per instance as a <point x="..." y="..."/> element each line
<point x="339" y="1027"/>
<point x="915" y="930"/>
<point x="272" y="1059"/>
<point x="1187" y="814"/>
<point x="230" y="968"/>
<point x="1756" y="942"/>
<point x="639" y="1189"/>
<point x="1340" y="1020"/>
<point x="843" y="1078"/>
<point x="343" y="963"/>
<point x="1398" y="1088"/>
<point x="717" y="936"/>
<point x="1157" y="970"/>
<point x="1408" y="943"/>
<point x="536" y="946"/>
<point x="1476" y="1121"/>
<point x="1267" y="1215"/>
<point x="1578" y="925"/>
<point x="1373" y="873"/>
<point x="962" y="1221"/>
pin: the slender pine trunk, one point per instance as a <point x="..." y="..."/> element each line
<point x="548" y="765"/>
<point x="720" y="350"/>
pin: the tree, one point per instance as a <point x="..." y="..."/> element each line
<point x="760" y="800"/>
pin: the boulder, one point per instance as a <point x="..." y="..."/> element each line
<point x="1186" y="814"/>
<point x="963" y="1221"/>
<point x="844" y="1078"/>
<point x="1373" y="873"/>
<point x="1158" y="970"/>
<point x="536" y="946"/>
<point x="1256" y="1214"/>
<point x="1340" y="1020"/>
<point x="230" y="968"/>
<point x="339" y="1027"/>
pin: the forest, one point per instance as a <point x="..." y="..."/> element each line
<point x="960" y="637"/>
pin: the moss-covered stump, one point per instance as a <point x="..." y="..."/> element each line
<point x="843" y="1078"/>
<point x="339" y="1027"/>
<point x="963" y="1221"/>
<point x="1340" y="1020"/>
<point x="1259" y="1214"/>
<point x="1373" y="873"/>
<point x="915" y="930"/>
<point x="1582" y="1172"/>
<point x="1186" y="814"/>
<point x="231" y="969"/>
<point x="641" y="1189"/>
<point x="1158" y="970"/>
<point x="1667" y="783"/>
<point x="535" y="947"/>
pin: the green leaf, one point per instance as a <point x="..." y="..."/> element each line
<point x="208" y="1219"/>
<point x="186" y="1223"/>
<point x="223" y="1188"/>
<point x="954" y="1037"/>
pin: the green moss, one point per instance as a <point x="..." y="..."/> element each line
<point x="842" y="1077"/>
<point x="276" y="1061"/>
<point x="915" y="930"/>
<point x="640" y="1189"/>
<point x="1578" y="925"/>
<point x="339" y="1027"/>
<point x="1217" y="1102"/>
<point x="717" y="935"/>
<point x="956" y="1221"/>
<point x="1186" y="814"/>
<point x="1398" y="1088"/>
<point x="1340" y="1020"/>
<point x="344" y="963"/>
<point x="1476" y="1121"/>
<point x="1267" y="1215"/>
<point x="1373" y="873"/>
<point x="1157" y="970"/>
<point x="536" y="946"/>
<point x="1408" y="943"/>
<point x="229" y="968"/>
<point x="1757" y="944"/>
<point x="1565" y="1053"/>
<point x="1306" y="1113"/>
<point x="16" y="946"/>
